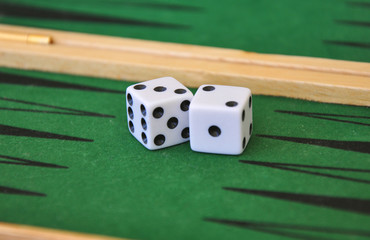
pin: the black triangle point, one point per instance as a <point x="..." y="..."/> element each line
<point x="25" y="162"/>
<point x="32" y="81"/>
<point x="15" y="191"/>
<point x="287" y="229"/>
<point x="23" y="132"/>
<point x="301" y="168"/>
<point x="361" y="206"/>
<point x="65" y="111"/>
<point x="356" y="146"/>
<point x="22" y="10"/>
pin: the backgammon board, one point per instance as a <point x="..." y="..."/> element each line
<point x="68" y="161"/>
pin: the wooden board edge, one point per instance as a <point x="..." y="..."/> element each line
<point x="191" y="77"/>
<point x="139" y="63"/>
<point x="10" y="231"/>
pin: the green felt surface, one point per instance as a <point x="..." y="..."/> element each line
<point x="110" y="184"/>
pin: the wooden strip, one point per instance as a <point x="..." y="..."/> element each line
<point x="138" y="60"/>
<point x="22" y="232"/>
<point x="196" y="52"/>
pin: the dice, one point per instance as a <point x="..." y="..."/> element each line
<point x="220" y="119"/>
<point x="163" y="112"/>
<point x="158" y="112"/>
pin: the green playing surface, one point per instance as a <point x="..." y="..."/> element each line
<point x="68" y="161"/>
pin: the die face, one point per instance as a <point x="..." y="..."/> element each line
<point x="220" y="119"/>
<point x="215" y="132"/>
<point x="170" y="126"/>
<point x="157" y="112"/>
<point x="215" y="96"/>
<point x="158" y="91"/>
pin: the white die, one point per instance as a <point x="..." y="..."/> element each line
<point x="220" y="119"/>
<point x="157" y="112"/>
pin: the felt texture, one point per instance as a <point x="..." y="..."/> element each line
<point x="114" y="186"/>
